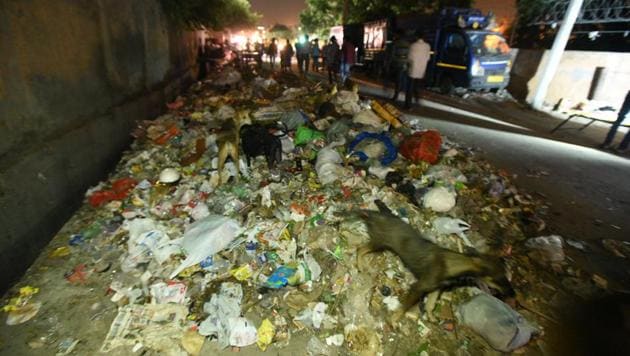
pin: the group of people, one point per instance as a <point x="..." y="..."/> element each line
<point x="333" y="58"/>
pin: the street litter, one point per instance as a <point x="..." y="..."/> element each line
<point x="193" y="251"/>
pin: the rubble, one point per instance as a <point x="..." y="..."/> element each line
<point x="188" y="258"/>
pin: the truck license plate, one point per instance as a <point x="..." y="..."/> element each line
<point x="495" y="78"/>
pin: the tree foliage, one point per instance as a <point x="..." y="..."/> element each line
<point x="320" y="15"/>
<point x="212" y="14"/>
<point x="281" y="31"/>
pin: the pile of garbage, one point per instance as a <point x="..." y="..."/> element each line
<point x="264" y="250"/>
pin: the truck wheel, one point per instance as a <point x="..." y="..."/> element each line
<point x="446" y="85"/>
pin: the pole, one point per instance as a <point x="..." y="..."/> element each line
<point x="346" y="9"/>
<point x="553" y="61"/>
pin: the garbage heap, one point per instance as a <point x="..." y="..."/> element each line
<point x="265" y="255"/>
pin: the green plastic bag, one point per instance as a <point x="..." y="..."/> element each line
<point x="305" y="135"/>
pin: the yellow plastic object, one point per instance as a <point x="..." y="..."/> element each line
<point x="384" y="114"/>
<point x="242" y="273"/>
<point x="58" y="253"/>
<point x="266" y="331"/>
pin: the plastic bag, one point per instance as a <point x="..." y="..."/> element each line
<point x="206" y="237"/>
<point x="549" y="246"/>
<point x="293" y="119"/>
<point x="328" y="165"/>
<point x="503" y="328"/>
<point x="422" y="146"/>
<point x="368" y="117"/>
<point x="447" y="226"/>
<point x="146" y="239"/>
<point x="266" y="331"/>
<point x="242" y="332"/>
<point x="337" y="131"/>
<point x="305" y="135"/>
<point x="221" y="308"/>
<point x="315" y="347"/>
<point x="347" y="102"/>
<point x="230" y="77"/>
<point x="439" y="199"/>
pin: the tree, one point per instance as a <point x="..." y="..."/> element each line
<point x="281" y="31"/>
<point x="213" y="14"/>
<point x="320" y="15"/>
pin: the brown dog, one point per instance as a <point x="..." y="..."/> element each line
<point x="229" y="139"/>
<point x="434" y="267"/>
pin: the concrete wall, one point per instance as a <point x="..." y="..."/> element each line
<point x="74" y="78"/>
<point x="573" y="79"/>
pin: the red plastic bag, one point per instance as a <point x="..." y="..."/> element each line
<point x="422" y="146"/>
<point x="120" y="190"/>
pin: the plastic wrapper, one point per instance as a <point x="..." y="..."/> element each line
<point x="266" y="331"/>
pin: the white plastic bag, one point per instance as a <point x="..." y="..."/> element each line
<point x="206" y="237"/>
<point x="221" y="308"/>
<point x="147" y="238"/>
<point x="242" y="332"/>
<point x="439" y="199"/>
<point x="328" y="165"/>
<point x="503" y="328"/>
<point x="447" y="226"/>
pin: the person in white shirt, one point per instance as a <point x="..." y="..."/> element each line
<point x="419" y="55"/>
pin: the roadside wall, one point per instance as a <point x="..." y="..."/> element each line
<point x="75" y="76"/>
<point x="573" y="79"/>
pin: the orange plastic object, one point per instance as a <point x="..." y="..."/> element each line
<point x="384" y="114"/>
<point x="170" y="133"/>
<point x="422" y="146"/>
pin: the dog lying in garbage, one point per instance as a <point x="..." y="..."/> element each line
<point x="434" y="267"/>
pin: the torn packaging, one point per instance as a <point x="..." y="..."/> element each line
<point x="433" y="266"/>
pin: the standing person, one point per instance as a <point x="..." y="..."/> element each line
<point x="298" y="55"/>
<point x="285" y="56"/>
<point x="305" y="53"/>
<point x="331" y="54"/>
<point x="315" y="54"/>
<point x="201" y="60"/>
<point x="348" y="59"/>
<point x="419" y="55"/>
<point x="623" y="112"/>
<point x="259" y="48"/>
<point x="399" y="64"/>
<point x="273" y="52"/>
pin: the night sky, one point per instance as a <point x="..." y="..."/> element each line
<point x="285" y="12"/>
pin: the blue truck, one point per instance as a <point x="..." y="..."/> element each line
<point x="465" y="51"/>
